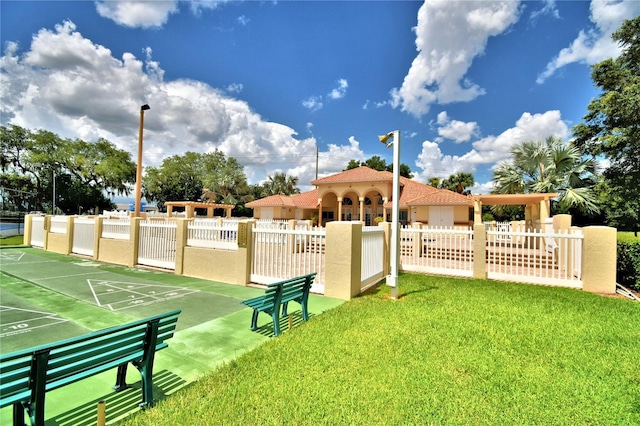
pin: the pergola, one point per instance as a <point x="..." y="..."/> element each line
<point x="190" y="206"/>
<point x="537" y="206"/>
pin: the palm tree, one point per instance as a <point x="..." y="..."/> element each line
<point x="282" y="184"/>
<point x="552" y="165"/>
<point x="458" y="183"/>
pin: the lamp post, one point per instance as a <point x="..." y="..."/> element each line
<point x="393" y="138"/>
<point x="136" y="212"/>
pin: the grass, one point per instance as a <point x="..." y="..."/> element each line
<point x="627" y="236"/>
<point x="16" y="240"/>
<point x="450" y="351"/>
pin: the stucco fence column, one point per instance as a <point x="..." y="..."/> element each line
<point x="599" y="252"/>
<point x="343" y="260"/>
<point x="479" y="251"/>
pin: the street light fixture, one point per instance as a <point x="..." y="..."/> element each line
<point x="136" y="212"/>
<point x="393" y="138"/>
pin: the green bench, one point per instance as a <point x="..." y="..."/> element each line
<point x="26" y="376"/>
<point x="280" y="294"/>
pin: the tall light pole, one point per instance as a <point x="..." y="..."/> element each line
<point x="136" y="212"/>
<point x="393" y="138"/>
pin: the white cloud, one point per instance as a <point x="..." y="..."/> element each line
<point x="71" y="86"/>
<point x="548" y="9"/>
<point x="144" y="14"/>
<point x="491" y="149"/>
<point x="449" y="35"/>
<point x="314" y="103"/>
<point x="458" y="131"/>
<point x="340" y="91"/>
<point x="235" y="88"/>
<point x="595" y="44"/>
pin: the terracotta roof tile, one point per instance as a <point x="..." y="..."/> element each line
<point x="307" y="200"/>
<point x="359" y="174"/>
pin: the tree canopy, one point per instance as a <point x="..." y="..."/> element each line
<point x="194" y="176"/>
<point x="611" y="128"/>
<point x="280" y="183"/>
<point x="552" y="165"/>
<point x="83" y="173"/>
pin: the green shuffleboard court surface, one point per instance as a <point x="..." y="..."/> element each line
<point x="46" y="297"/>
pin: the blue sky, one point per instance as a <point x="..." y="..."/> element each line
<point x="268" y="82"/>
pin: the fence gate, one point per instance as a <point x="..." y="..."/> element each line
<point x="157" y="246"/>
<point x="281" y="254"/>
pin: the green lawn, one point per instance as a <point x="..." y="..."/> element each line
<point x="16" y="240"/>
<point x="450" y="351"/>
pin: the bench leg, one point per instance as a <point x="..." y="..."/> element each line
<point x="285" y="305"/>
<point x="276" y="323"/>
<point x="121" y="378"/>
<point x="305" y="312"/>
<point x="18" y="414"/>
<point x="254" y="320"/>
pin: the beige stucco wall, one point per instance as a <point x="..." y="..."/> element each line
<point x="599" y="253"/>
<point x="229" y="266"/>
<point x="59" y="243"/>
<point x="343" y="260"/>
<point x="119" y="252"/>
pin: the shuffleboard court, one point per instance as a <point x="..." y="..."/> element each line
<point x="135" y="295"/>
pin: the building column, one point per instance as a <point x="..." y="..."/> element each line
<point x="361" y="200"/>
<point x="319" y="211"/>
<point x="169" y="211"/>
<point x="339" y="209"/>
<point x="477" y="212"/>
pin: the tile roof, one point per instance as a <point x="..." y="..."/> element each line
<point x="359" y="174"/>
<point x="307" y="199"/>
<point x="412" y="193"/>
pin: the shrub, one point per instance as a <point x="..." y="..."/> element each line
<point x="378" y="219"/>
<point x="628" y="267"/>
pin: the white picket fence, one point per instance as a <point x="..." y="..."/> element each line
<point x="58" y="225"/>
<point x="444" y="251"/>
<point x="83" y="236"/>
<point x="213" y="234"/>
<point x="372" y="256"/>
<point x="37" y="231"/>
<point x="157" y="245"/>
<point x="535" y="257"/>
<point x="117" y="229"/>
<point x="280" y="254"/>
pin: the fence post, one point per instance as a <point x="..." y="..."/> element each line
<point x="479" y="251"/>
<point x="291" y="239"/>
<point x="28" y="223"/>
<point x="97" y="234"/>
<point x="599" y="252"/>
<point x="45" y="235"/>
<point x="182" y="232"/>
<point x="416" y="249"/>
<point x="343" y="261"/>
<point x="134" y="236"/>
<point x="245" y="249"/>
<point x="562" y="225"/>
<point x="386" y="257"/>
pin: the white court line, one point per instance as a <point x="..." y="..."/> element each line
<point x="69" y="276"/>
<point x="56" y="319"/>
<point x="11" y="308"/>
<point x="142" y="294"/>
<point x="95" y="296"/>
<point x="38" y="262"/>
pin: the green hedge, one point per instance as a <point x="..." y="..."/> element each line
<point x="628" y="268"/>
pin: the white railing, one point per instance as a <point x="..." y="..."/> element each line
<point x="372" y="256"/>
<point x="283" y="254"/>
<point x="272" y="224"/>
<point x="157" y="246"/>
<point x="538" y="258"/>
<point x="213" y="234"/>
<point x="83" y="236"/>
<point x="58" y="225"/>
<point x="37" y="231"/>
<point x="117" y="229"/>
<point x="445" y="251"/>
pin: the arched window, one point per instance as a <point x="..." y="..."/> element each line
<point x="347" y="201"/>
<point x="367" y="201"/>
